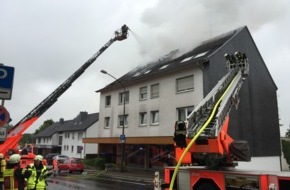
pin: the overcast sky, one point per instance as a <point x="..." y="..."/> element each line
<point x="48" y="40"/>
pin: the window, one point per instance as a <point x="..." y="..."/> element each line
<point x="80" y="135"/>
<point x="143" y="93"/>
<point x="163" y="67"/>
<point x="72" y="148"/>
<point x="124" y="96"/>
<point x="182" y="113"/>
<point x="154" y="117"/>
<point x="121" y="120"/>
<point x="143" y="118"/>
<point x="60" y="140"/>
<point x="39" y="140"/>
<point x="73" y="135"/>
<point x="108" y="101"/>
<point x="107" y="122"/>
<point x="155" y="91"/>
<point x="184" y="84"/>
<point x="66" y="135"/>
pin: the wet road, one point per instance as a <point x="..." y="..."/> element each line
<point x="79" y="183"/>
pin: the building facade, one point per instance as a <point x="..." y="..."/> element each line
<point x="158" y="94"/>
<point x="66" y="136"/>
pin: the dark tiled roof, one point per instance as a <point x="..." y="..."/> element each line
<point x="80" y="123"/>
<point x="196" y="56"/>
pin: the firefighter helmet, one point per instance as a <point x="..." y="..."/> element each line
<point x="1" y="156"/>
<point x="38" y="157"/>
<point x="14" y="159"/>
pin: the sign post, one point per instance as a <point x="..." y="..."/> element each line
<point x="3" y="134"/>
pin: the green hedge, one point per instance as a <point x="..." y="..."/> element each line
<point x="286" y="150"/>
<point x="95" y="162"/>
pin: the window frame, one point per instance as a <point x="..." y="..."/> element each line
<point x="143" y="117"/>
<point x="186" y="110"/>
<point x="107" y="122"/>
<point x="122" y="96"/>
<point x="187" y="86"/>
<point x="108" y="98"/>
<point x="143" y="95"/>
<point x="152" y="93"/>
<point x="153" y="115"/>
<point x="120" y="119"/>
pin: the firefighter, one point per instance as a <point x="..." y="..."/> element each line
<point x="2" y="169"/>
<point x="14" y="175"/>
<point x="55" y="166"/>
<point x="39" y="173"/>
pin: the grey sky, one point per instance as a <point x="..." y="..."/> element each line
<point x="47" y="40"/>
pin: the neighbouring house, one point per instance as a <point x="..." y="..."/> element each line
<point x="65" y="136"/>
<point x="159" y="93"/>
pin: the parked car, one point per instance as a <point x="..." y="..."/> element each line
<point x="60" y="158"/>
<point x="71" y="165"/>
<point x="49" y="157"/>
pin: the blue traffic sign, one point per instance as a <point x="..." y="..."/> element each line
<point x="122" y="137"/>
<point x="6" y="81"/>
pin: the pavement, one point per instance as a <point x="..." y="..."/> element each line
<point x="131" y="174"/>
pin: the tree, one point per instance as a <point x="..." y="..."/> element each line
<point x="286" y="150"/>
<point x="27" y="138"/>
<point x="45" y="125"/>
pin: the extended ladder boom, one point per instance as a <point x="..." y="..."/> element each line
<point x="238" y="70"/>
<point x="14" y="135"/>
<point x="207" y="124"/>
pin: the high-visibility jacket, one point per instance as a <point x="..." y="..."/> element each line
<point x="14" y="178"/>
<point x="55" y="164"/>
<point x="37" y="177"/>
<point x="2" y="168"/>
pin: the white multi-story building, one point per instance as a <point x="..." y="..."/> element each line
<point x="65" y="137"/>
<point x="158" y="94"/>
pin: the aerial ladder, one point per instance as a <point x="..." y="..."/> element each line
<point x="201" y="141"/>
<point x="207" y="124"/>
<point x="15" y="134"/>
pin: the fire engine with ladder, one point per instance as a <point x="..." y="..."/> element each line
<point x="206" y="155"/>
<point x="10" y="145"/>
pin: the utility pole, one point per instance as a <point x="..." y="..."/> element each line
<point x="122" y="136"/>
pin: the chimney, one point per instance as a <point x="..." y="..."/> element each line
<point x="83" y="115"/>
<point x="61" y="121"/>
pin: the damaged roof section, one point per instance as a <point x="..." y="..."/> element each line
<point x="170" y="63"/>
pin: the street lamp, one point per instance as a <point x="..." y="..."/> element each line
<point x="122" y="136"/>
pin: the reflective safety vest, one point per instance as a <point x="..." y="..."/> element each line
<point x="10" y="182"/>
<point x="37" y="181"/>
<point x="2" y="169"/>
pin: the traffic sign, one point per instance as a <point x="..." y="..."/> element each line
<point x="6" y="82"/>
<point x="4" y="116"/>
<point x="122" y="138"/>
